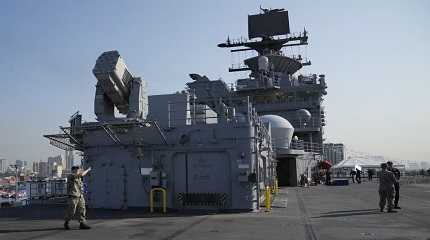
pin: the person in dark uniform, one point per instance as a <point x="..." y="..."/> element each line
<point x="396" y="185"/>
<point x="328" y="177"/>
<point x="386" y="188"/>
<point x="76" y="201"/>
<point x="358" y="176"/>
<point x="352" y="174"/>
<point x="303" y="180"/>
<point x="370" y="174"/>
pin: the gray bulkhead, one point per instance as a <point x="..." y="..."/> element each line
<point x="198" y="159"/>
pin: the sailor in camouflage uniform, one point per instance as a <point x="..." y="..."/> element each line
<point x="76" y="201"/>
<point x="386" y="188"/>
<point x="396" y="172"/>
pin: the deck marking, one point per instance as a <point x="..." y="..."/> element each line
<point x="181" y="231"/>
<point x="310" y="233"/>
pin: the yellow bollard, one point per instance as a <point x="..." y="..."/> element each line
<point x="268" y="200"/>
<point x="151" y="199"/>
<point x="276" y="187"/>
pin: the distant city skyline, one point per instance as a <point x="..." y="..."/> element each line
<point x="374" y="56"/>
<point x="28" y="163"/>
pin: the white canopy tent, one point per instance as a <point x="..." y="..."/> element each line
<point x="359" y="162"/>
<point x="363" y="163"/>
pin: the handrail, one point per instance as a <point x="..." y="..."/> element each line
<point x="306" y="146"/>
<point x="198" y="115"/>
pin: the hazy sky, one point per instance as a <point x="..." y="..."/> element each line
<point x="375" y="54"/>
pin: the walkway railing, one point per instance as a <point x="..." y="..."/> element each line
<point x="306" y="146"/>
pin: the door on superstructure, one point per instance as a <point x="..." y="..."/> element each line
<point x="204" y="176"/>
<point x="106" y="186"/>
<point x="286" y="172"/>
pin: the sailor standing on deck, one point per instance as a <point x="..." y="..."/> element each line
<point x="358" y="175"/>
<point x="76" y="201"/>
<point x="396" y="185"/>
<point x="352" y="174"/>
<point x="386" y="188"/>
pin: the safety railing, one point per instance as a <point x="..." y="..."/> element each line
<point x="306" y="146"/>
<point x="301" y="124"/>
<point x="46" y="188"/>
<point x="414" y="179"/>
<point x="193" y="112"/>
<point x="203" y="115"/>
<point x="275" y="188"/>
<point x="286" y="103"/>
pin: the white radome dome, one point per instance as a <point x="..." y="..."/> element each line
<point x="281" y="130"/>
<point x="304" y="114"/>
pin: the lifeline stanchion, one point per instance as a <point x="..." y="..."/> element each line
<point x="151" y="199"/>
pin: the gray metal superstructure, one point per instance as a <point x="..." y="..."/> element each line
<point x="275" y="88"/>
<point x="202" y="159"/>
<point x="206" y="146"/>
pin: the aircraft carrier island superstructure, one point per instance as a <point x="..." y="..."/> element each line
<point x="210" y="146"/>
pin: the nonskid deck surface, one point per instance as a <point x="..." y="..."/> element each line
<point x="318" y="212"/>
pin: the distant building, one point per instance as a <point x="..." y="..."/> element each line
<point x="425" y="165"/>
<point x="68" y="161"/>
<point x="35" y="167"/>
<point x="3" y="165"/>
<point x="43" y="169"/>
<point x="53" y="162"/>
<point x="334" y="152"/>
<point x="21" y="164"/>
<point x="413" y="166"/>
